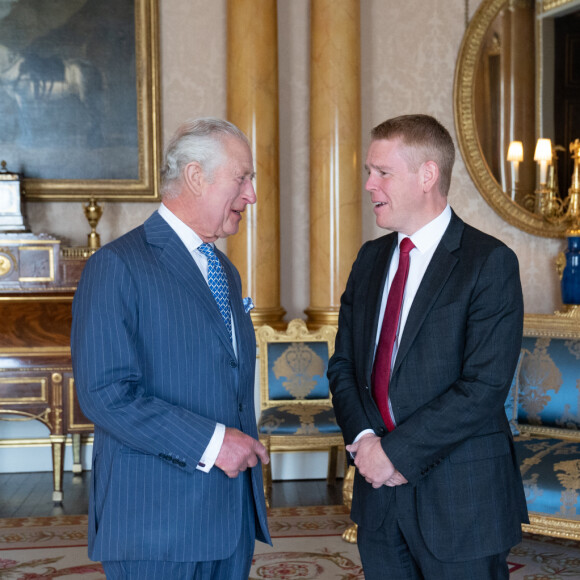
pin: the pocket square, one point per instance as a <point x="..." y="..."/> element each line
<point x="248" y="304"/>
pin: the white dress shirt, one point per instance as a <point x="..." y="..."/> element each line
<point x="192" y="241"/>
<point x="426" y="241"/>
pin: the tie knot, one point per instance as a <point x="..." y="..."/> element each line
<point x="207" y="250"/>
<point x="406" y="245"/>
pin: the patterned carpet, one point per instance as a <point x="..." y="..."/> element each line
<point x="307" y="545"/>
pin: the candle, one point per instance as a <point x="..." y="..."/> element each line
<point x="515" y="155"/>
<point x="543" y="155"/>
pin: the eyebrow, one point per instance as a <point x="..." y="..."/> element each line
<point x="379" y="167"/>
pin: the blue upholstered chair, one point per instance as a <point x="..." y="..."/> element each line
<point x="296" y="409"/>
<point x="547" y="404"/>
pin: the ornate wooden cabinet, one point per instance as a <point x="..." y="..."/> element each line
<point x="36" y="380"/>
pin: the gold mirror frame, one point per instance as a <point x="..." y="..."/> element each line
<point x="464" y="113"/>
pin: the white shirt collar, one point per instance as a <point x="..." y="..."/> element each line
<point x="431" y="233"/>
<point x="191" y="240"/>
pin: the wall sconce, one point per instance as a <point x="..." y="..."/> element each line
<point x="515" y="154"/>
<point x="565" y="211"/>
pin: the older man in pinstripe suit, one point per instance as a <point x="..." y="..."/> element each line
<point x="164" y="367"/>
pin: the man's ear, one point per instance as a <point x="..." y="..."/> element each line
<point x="193" y="177"/>
<point x="429" y="173"/>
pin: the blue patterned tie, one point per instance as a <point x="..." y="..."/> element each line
<point x="218" y="284"/>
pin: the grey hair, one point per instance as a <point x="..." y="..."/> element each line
<point x="199" y="140"/>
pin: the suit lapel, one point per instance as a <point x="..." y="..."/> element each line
<point x="379" y="270"/>
<point x="180" y="264"/>
<point x="435" y="277"/>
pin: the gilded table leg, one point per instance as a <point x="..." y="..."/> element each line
<point x="350" y="534"/>
<point x="76" y="445"/>
<point x="57" y="442"/>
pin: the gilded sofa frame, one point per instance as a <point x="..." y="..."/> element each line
<point x="566" y="326"/>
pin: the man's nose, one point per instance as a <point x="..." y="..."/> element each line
<point x="370" y="184"/>
<point x="249" y="192"/>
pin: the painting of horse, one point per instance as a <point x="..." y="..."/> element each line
<point x="35" y="83"/>
<point x="75" y="93"/>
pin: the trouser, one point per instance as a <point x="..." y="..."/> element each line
<point x="236" y="567"/>
<point x="397" y="551"/>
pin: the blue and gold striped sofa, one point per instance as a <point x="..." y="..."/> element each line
<point x="547" y="417"/>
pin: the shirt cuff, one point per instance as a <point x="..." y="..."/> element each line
<point x="364" y="432"/>
<point x="211" y="452"/>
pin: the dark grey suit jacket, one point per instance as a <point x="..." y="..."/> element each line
<point x="453" y="370"/>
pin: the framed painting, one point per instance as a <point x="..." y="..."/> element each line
<point x="79" y="98"/>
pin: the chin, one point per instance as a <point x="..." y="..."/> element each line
<point x="384" y="226"/>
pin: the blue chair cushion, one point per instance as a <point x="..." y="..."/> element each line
<point x="548" y="383"/>
<point x="551" y="476"/>
<point x="298" y="419"/>
<point x="297" y="370"/>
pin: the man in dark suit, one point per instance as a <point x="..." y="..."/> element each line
<point x="164" y="354"/>
<point x="437" y="490"/>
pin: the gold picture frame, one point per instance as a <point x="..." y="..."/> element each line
<point x="99" y="62"/>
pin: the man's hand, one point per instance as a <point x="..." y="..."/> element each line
<point x="373" y="464"/>
<point x="238" y="452"/>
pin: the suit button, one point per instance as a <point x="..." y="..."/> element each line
<point x="381" y="431"/>
<point x="233" y="364"/>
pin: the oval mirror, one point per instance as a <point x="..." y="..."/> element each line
<point x="508" y="87"/>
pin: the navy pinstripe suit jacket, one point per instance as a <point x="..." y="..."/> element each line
<point x="155" y="370"/>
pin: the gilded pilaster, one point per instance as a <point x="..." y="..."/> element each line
<point x="335" y="181"/>
<point x="252" y="64"/>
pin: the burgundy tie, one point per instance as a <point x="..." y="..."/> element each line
<point x="382" y="367"/>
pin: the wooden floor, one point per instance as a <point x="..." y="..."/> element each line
<point x="30" y="494"/>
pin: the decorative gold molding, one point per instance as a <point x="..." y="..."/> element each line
<point x="271" y="316"/>
<point x="551" y="526"/>
<point x="546" y="5"/>
<point x="45" y="298"/>
<point x="17" y="400"/>
<point x="322" y="316"/>
<point x="463" y="95"/>
<point x="43" y="417"/>
<point x="551" y="326"/>
<point x="39" y="442"/>
<point x="71" y="414"/>
<point x="551" y="432"/>
<point x="50" y="277"/>
<point x="77" y="252"/>
<point x="34" y="351"/>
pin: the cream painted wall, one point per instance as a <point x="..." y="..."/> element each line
<point x="408" y="56"/>
<point x="408" y="59"/>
